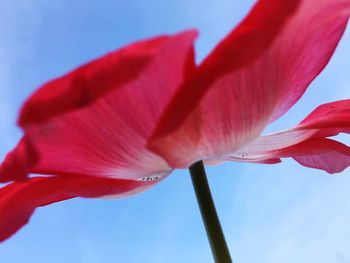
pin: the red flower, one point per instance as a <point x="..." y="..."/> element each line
<point x="123" y="122"/>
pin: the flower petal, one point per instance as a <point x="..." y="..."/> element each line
<point x="18" y="162"/>
<point x="88" y="82"/>
<point x="325" y="154"/>
<point x="329" y="116"/>
<point x="225" y="106"/>
<point x="84" y="143"/>
<point x="237" y="50"/>
<point x="306" y="143"/>
<point x="107" y="136"/>
<point x="18" y="200"/>
<point x="306" y="47"/>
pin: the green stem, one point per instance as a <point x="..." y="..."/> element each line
<point x="210" y="217"/>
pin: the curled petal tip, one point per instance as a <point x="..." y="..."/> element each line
<point x="18" y="163"/>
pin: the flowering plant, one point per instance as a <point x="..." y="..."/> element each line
<point x="122" y="123"/>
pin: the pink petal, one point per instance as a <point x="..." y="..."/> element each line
<point x="232" y="97"/>
<point x="19" y="200"/>
<point x="306" y="47"/>
<point x="329" y="116"/>
<point x="306" y="143"/>
<point x="107" y="136"/>
<point x="325" y="154"/>
<point x="266" y="147"/>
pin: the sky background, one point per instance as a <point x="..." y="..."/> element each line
<point x="270" y="213"/>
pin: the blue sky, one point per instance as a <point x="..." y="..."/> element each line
<point x="270" y="213"/>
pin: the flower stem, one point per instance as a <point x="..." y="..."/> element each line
<point x="210" y="217"/>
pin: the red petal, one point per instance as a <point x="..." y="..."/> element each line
<point x="19" y="200"/>
<point x="107" y="136"/>
<point x="18" y="162"/>
<point x="87" y="83"/>
<point x="231" y="99"/>
<point x="237" y="50"/>
<point x="306" y="143"/>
